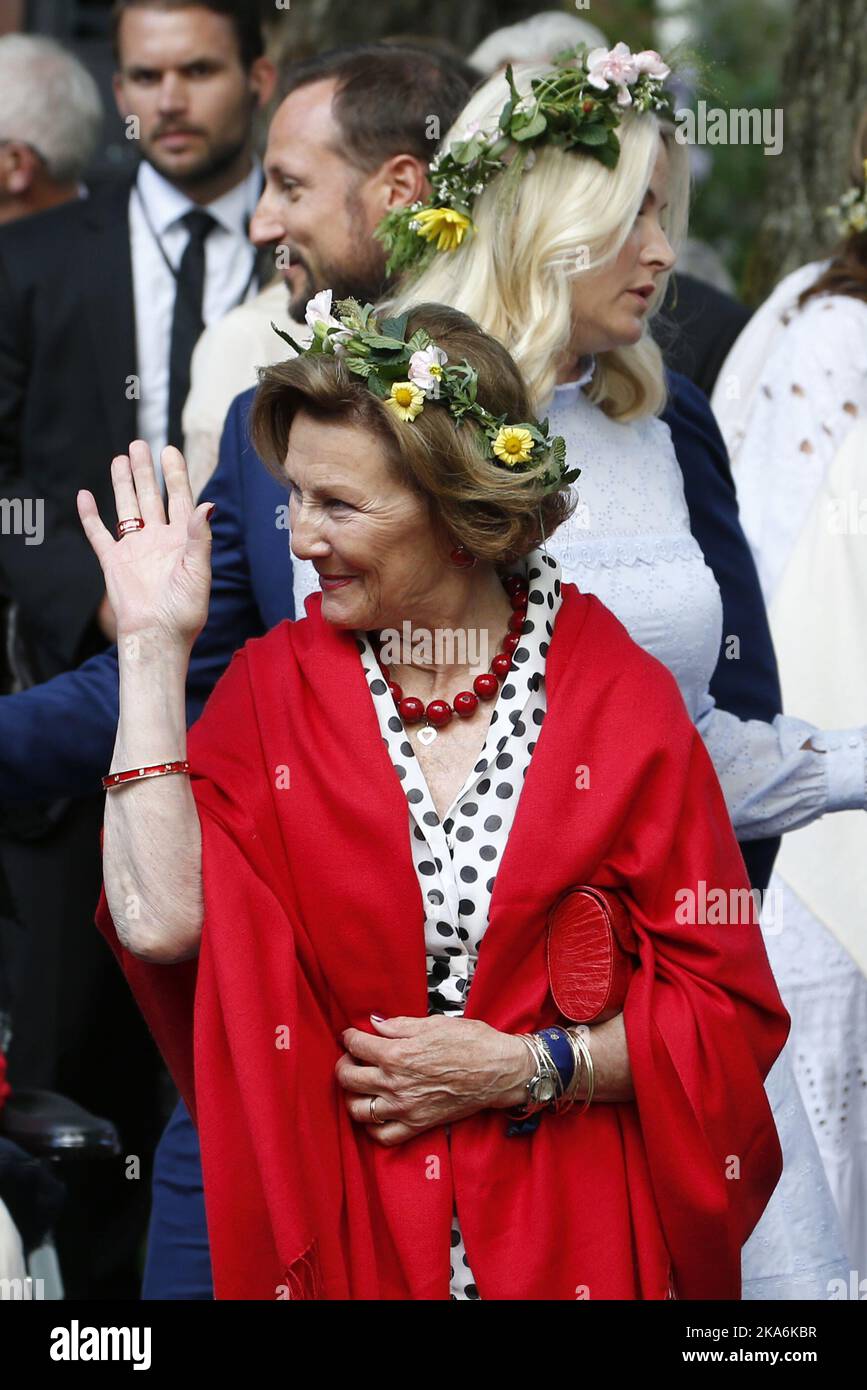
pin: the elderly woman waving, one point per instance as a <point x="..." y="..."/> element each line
<point x="337" y="925"/>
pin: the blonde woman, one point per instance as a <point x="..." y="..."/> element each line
<point x="567" y="258"/>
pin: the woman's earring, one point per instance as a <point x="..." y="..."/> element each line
<point x="461" y="558"/>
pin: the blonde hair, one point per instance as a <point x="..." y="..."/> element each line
<point x="565" y="216"/>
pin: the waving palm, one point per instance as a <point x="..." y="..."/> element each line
<point x="157" y="578"/>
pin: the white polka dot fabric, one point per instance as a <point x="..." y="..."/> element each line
<point x="456" y="860"/>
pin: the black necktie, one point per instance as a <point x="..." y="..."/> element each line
<point x="187" y="322"/>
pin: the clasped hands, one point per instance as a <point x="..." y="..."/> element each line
<point x="429" y="1071"/>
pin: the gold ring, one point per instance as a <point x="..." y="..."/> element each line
<point x="373" y="1100"/>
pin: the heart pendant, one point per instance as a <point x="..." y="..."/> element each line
<point x="427" y="734"/>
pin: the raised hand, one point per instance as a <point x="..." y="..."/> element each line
<point x="158" y="578"/>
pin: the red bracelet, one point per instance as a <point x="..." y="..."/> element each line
<point x="114" y="779"/>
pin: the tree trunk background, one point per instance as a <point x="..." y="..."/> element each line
<point x="823" y="91"/>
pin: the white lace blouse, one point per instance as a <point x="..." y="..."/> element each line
<point x="790" y="390"/>
<point x="629" y="542"/>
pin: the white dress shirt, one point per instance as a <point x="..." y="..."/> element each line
<point x="229" y="261"/>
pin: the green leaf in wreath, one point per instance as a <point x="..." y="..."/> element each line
<point x="377" y="385"/>
<point x="395" y="328"/>
<point x="535" y="127"/>
<point x="513" y="91"/>
<point x="606" y="154"/>
<point x="593" y="135"/>
<point x="379" y="340"/>
<point x="287" y="339"/>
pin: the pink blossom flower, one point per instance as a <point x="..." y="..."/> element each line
<point x="426" y="369"/>
<point x="649" y="61"/>
<point x="617" y="67"/>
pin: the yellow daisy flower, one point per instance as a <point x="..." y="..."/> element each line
<point x="443" y="224"/>
<point x="513" y="445"/>
<point x="406" y="400"/>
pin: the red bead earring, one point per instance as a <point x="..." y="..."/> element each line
<point x="461" y="558"/>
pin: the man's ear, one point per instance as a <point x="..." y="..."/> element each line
<point x="263" y="80"/>
<point x="402" y="181"/>
<point x="20" y="168"/>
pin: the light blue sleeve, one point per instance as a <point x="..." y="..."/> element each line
<point x="781" y="775"/>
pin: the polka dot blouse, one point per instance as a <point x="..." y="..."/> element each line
<point x="456" y="859"/>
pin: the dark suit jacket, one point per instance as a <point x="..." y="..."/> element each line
<point x="754" y="692"/>
<point x="57" y="740"/>
<point x="696" y="328"/>
<point x="67" y="353"/>
<point x="67" y="349"/>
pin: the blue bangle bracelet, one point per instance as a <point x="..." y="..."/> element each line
<point x="560" y="1049"/>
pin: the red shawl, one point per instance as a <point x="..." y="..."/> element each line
<point x="314" y="919"/>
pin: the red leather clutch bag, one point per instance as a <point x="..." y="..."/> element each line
<point x="591" y="949"/>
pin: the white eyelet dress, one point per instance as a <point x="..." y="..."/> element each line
<point x="456" y="860"/>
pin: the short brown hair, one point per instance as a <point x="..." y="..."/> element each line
<point x="497" y="514"/>
<point x="389" y="98"/>
<point x="242" y="14"/>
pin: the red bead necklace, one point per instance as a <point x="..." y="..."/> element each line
<point x="438" y="713"/>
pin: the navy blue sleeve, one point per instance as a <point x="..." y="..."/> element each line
<point x="56" y="739"/>
<point x="746" y="681"/>
<point x="233" y="615"/>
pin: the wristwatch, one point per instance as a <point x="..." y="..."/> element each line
<point x="541" y="1087"/>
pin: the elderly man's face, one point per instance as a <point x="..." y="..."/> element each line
<point x="369" y="536"/>
<point x="317" y="207"/>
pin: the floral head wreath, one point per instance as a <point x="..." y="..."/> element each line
<point x="407" y="373"/>
<point x="577" y="105"/>
<point x="850" y="211"/>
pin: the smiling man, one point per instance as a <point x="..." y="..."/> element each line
<point x="330" y="180"/>
<point x="350" y="142"/>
